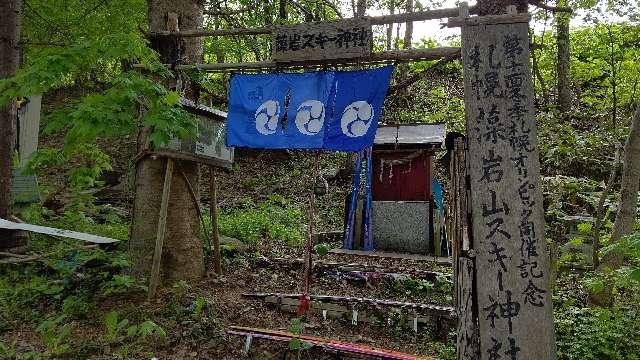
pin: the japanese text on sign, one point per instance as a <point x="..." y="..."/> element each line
<point x="508" y="229"/>
<point x="325" y="40"/>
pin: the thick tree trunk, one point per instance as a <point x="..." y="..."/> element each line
<point x="562" y="63"/>
<point x="627" y="210"/>
<point x="182" y="255"/>
<point x="9" y="62"/>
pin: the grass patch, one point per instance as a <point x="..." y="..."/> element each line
<point x="272" y="220"/>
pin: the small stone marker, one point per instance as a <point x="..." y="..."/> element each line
<point x="340" y="39"/>
<point x="512" y="267"/>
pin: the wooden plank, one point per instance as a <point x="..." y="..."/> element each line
<point x="339" y="39"/>
<point x="374" y="58"/>
<point x="10" y="225"/>
<point x="178" y="155"/>
<point x="490" y="20"/>
<point x="28" y="128"/>
<point x="366" y="312"/>
<point x="514" y="299"/>
<point x="441" y="310"/>
<point x="329" y="344"/>
<point x="391" y="255"/>
<point x="467" y="344"/>
<point x="437" y="237"/>
<point x="424" y="15"/>
<point x="162" y="229"/>
<point x="213" y="206"/>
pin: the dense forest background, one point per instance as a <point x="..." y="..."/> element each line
<point x="75" y="301"/>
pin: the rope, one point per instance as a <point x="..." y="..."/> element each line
<point x="305" y="300"/>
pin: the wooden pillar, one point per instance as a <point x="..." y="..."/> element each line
<point x="512" y="290"/>
<point x="215" y="238"/>
<point x="162" y="229"/>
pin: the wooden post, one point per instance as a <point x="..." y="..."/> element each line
<point x="162" y="229"/>
<point x="215" y="238"/>
<point x="467" y="347"/>
<point x="437" y="236"/>
<point x="513" y="294"/>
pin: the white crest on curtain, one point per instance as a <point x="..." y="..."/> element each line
<point x="356" y="119"/>
<point x="310" y="117"/>
<point x="267" y="117"/>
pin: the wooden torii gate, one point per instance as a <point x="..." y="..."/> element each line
<point x="496" y="222"/>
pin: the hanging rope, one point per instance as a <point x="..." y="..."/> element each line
<point x="305" y="300"/>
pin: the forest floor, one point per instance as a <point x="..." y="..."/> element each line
<point x="74" y="305"/>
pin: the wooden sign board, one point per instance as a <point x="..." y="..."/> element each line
<point x="513" y="294"/>
<point x="341" y="39"/>
<point x="209" y="147"/>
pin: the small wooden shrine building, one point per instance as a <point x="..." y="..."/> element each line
<point x="404" y="206"/>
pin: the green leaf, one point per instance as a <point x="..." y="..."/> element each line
<point x="172" y="98"/>
<point x="132" y="330"/>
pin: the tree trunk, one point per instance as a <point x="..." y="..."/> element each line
<point x="627" y="209"/>
<point x="361" y="8"/>
<point x="563" y="60"/>
<point x="408" y="33"/>
<point x="182" y="255"/>
<point x="392" y="10"/>
<point x="9" y="62"/>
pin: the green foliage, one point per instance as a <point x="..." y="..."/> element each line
<point x="322" y="249"/>
<point x="117" y="329"/>
<point x="68" y="278"/>
<point x="596" y="333"/>
<point x="122" y="102"/>
<point x="114" y="326"/>
<point x="198" y="306"/>
<point x="625" y="278"/>
<point x="414" y="286"/>
<point x="295" y="327"/>
<point x="119" y="284"/>
<point x="145" y="329"/>
<point x="60" y="67"/>
<point x="55" y="336"/>
<point x="595" y="52"/>
<point x="444" y="282"/>
<point x="77" y="307"/>
<point x="269" y="220"/>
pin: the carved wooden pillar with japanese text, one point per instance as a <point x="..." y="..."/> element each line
<point x="511" y="263"/>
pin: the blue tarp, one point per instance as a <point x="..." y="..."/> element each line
<point x="315" y="110"/>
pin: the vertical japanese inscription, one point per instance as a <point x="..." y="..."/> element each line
<point x="514" y="302"/>
<point x="340" y="39"/>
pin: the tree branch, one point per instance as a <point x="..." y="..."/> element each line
<point x="541" y="5"/>
<point x="333" y="7"/>
<point x="415" y="77"/>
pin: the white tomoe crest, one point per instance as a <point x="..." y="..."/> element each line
<point x="356" y="119"/>
<point x="310" y="117"/>
<point x="267" y="117"/>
